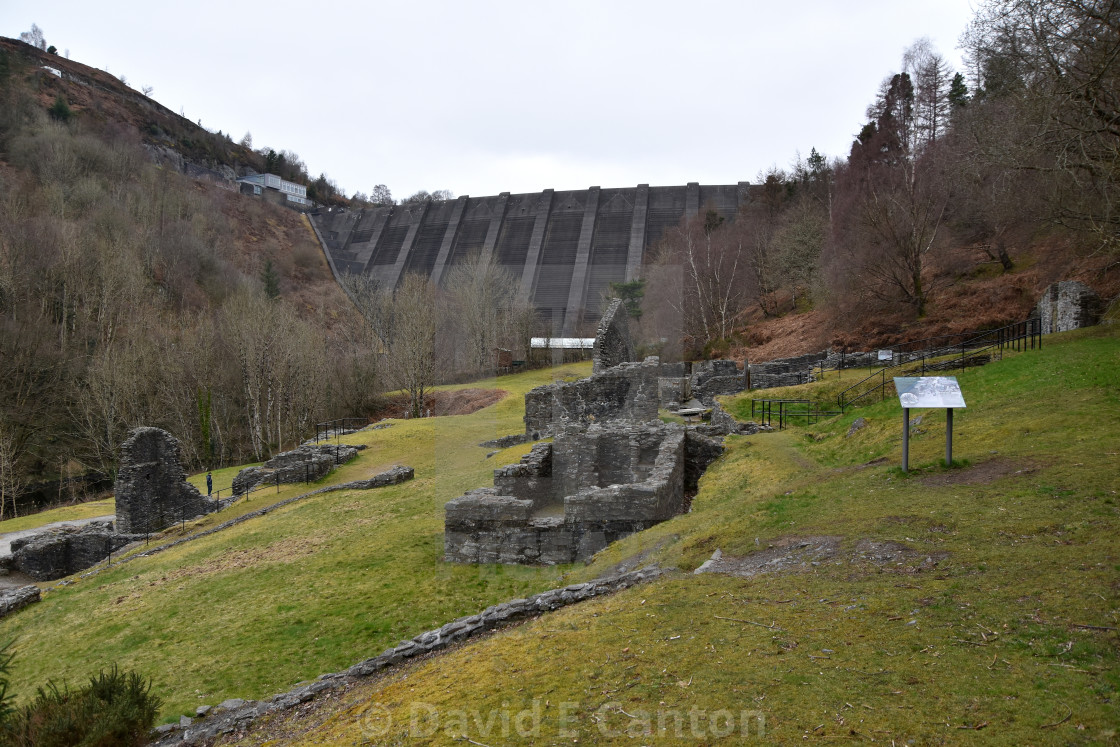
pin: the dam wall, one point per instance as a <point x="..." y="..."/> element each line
<point x="563" y="247"/>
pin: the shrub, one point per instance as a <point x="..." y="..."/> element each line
<point x="60" y="110"/>
<point x="115" y="708"/>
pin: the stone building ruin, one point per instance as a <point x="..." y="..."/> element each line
<point x="612" y="469"/>
<point x="306" y="463"/>
<point x="1066" y="306"/>
<point x="568" y="499"/>
<point x="152" y="491"/>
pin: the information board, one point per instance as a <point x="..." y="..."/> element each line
<point x="929" y="391"/>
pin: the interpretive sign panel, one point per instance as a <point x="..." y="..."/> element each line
<point x="929" y="391"/>
<point x="886" y="355"/>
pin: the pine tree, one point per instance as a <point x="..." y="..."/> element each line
<point x="271" y="280"/>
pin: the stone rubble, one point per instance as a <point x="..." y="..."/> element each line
<point x="12" y="600"/>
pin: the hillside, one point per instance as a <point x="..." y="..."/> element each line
<point x="973" y="604"/>
<point x="852" y="602"/>
<point x="131" y="293"/>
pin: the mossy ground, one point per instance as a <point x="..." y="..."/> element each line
<point x="1009" y="638"/>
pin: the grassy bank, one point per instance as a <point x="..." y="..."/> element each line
<point x="974" y="604"/>
<point x="312" y="587"/>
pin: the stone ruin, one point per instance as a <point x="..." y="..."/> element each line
<point x="306" y="463"/>
<point x="66" y="550"/>
<point x="152" y="491"/>
<point x="612" y="339"/>
<point x="1066" y="306"/>
<point x="151" y="494"/>
<point x="612" y="469"/>
<point x="568" y="499"/>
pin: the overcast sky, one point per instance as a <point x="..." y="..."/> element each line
<point x="486" y="97"/>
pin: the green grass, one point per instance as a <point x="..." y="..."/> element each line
<point x="312" y="587"/>
<point x="87" y="510"/>
<point x="223" y="478"/>
<point x="991" y="644"/>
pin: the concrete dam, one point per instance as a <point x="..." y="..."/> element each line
<point x="565" y="248"/>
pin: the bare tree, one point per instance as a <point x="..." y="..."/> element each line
<point x="411" y="359"/>
<point x="479" y="297"/>
<point x="896" y="202"/>
<point x="11" y="479"/>
<point x="715" y="260"/>
<point x="34" y="37"/>
<point x="381" y="195"/>
<point x="932" y="77"/>
<point x="1059" y="57"/>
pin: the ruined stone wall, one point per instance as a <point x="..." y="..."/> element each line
<point x="612" y="339"/>
<point x="785" y="371"/>
<point x="628" y="390"/>
<point x="613" y="479"/>
<point x="67" y="550"/>
<point x="306" y="463"/>
<point x="1066" y="306"/>
<point x="530" y="479"/>
<point x="151" y="490"/>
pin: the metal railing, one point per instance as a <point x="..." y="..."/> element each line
<point x="339" y="426"/>
<point x="968" y="351"/>
<point x="763" y="411"/>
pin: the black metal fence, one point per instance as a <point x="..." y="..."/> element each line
<point x="967" y="350"/>
<point x="338" y="427"/>
<point x="765" y="411"/>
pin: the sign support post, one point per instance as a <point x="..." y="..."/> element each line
<point x="928" y="391"/>
<point x="948" y="436"/>
<point x="905" y="439"/>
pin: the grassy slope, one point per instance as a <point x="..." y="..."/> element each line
<point x="223" y="478"/>
<point x="310" y="588"/>
<point x="985" y="647"/>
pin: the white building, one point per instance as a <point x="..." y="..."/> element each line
<point x="292" y="192"/>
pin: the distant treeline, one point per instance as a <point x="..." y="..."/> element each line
<point x="951" y="169"/>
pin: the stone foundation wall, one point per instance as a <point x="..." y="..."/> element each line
<point x="612" y="480"/>
<point x="786" y="371"/>
<point x="628" y="390"/>
<point x="66" y="551"/>
<point x="307" y="463"/>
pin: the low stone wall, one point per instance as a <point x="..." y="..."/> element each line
<point x="514" y="439"/>
<point x="236" y="714"/>
<point x="394" y="476"/>
<point x="306" y="463"/>
<point x="785" y="372"/>
<point x="13" y="600"/>
<point x="629" y="390"/>
<point x="67" y="550"/>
